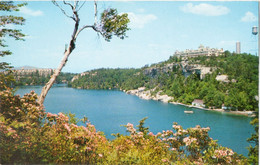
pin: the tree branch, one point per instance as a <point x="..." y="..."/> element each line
<point x="95" y="8"/>
<point x="81" y="6"/>
<point x="84" y="27"/>
<point x="66" y="3"/>
<point x="77" y="4"/>
<point x="62" y="10"/>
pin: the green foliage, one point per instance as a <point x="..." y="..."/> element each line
<point x="141" y="127"/>
<point x="34" y="78"/>
<point x="113" y="23"/>
<point x="8" y="6"/>
<point x="254" y="140"/>
<point x="6" y="80"/>
<point x="108" y="79"/>
<point x="29" y="135"/>
<point x="72" y="118"/>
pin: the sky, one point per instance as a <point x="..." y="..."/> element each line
<point x="158" y="29"/>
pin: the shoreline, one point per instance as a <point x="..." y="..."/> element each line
<point x="241" y="113"/>
<point x="146" y="95"/>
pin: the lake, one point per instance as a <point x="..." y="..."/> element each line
<point x="108" y="110"/>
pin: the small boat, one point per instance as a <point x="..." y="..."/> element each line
<point x="189" y="112"/>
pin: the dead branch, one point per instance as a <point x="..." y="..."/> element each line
<point x="66" y="3"/>
<point x="62" y="10"/>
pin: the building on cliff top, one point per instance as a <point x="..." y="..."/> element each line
<point x="201" y="51"/>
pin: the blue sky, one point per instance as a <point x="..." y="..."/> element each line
<point x="158" y="29"/>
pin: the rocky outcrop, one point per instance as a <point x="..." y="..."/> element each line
<point x="196" y="68"/>
<point x="157" y="69"/>
<point x="147" y="95"/>
<point x="223" y="78"/>
<point x="75" y="78"/>
<point x="83" y="74"/>
<point x="187" y="69"/>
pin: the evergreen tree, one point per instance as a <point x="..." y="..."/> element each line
<point x="5" y="21"/>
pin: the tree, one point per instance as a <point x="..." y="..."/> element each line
<point x="141" y="127"/>
<point x="5" y="20"/>
<point x="6" y="78"/>
<point x="254" y="139"/>
<point x="111" y="23"/>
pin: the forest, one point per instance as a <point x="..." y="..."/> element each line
<point x="240" y="92"/>
<point x="34" y="78"/>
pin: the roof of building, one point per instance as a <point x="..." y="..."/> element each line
<point x="198" y="101"/>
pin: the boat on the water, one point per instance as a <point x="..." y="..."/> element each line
<point x="189" y="112"/>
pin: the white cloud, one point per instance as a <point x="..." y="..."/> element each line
<point x="139" y="20"/>
<point x="204" y="9"/>
<point x="249" y="17"/>
<point x="27" y="11"/>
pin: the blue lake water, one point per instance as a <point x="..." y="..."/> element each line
<point x="108" y="110"/>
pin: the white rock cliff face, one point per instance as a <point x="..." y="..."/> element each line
<point x="146" y="95"/>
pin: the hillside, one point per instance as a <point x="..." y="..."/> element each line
<point x="230" y="80"/>
<point x="38" y="76"/>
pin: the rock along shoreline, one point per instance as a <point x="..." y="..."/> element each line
<point x="147" y="95"/>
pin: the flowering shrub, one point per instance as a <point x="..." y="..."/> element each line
<point x="30" y="135"/>
<point x="20" y="118"/>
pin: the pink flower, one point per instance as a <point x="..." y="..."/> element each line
<point x="187" y="141"/>
<point x="51" y="115"/>
<point x="10" y="130"/>
<point x="67" y="127"/>
<point x="151" y="134"/>
<point x="172" y="139"/>
<point x="88" y="148"/>
<point x="73" y="125"/>
<point x="100" y="155"/>
<point x="159" y="134"/>
<point x="140" y="133"/>
<point x="230" y="152"/>
<point x="176" y="126"/>
<point x="129" y="125"/>
<point x="61" y="115"/>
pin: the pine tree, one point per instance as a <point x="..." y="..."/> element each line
<point x="5" y="30"/>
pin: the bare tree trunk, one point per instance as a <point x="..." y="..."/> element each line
<point x="56" y="73"/>
<point x="64" y="60"/>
